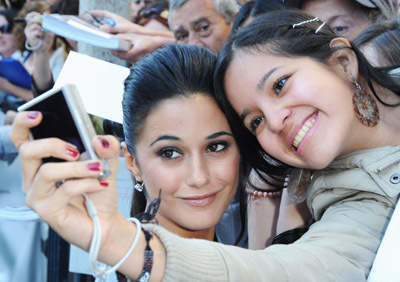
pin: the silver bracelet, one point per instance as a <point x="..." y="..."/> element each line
<point x="37" y="46"/>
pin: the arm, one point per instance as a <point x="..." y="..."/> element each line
<point x="123" y="25"/>
<point x="8" y="87"/>
<point x="339" y="247"/>
<point x="141" y="45"/>
<point x="63" y="208"/>
<point x="42" y="79"/>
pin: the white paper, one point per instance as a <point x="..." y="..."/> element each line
<point x="100" y="84"/>
<point x="386" y="264"/>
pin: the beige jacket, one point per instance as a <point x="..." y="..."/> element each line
<point x="352" y="201"/>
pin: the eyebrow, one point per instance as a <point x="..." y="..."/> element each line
<point x="218" y="134"/>
<point x="196" y="22"/>
<point x="174" y="138"/>
<point x="164" y="137"/>
<point x="264" y="78"/>
<point x="244" y="115"/>
<point x="181" y="29"/>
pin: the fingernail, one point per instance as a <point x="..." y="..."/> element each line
<point x="94" y="166"/>
<point x="72" y="152"/>
<point x="104" y="142"/>
<point x="104" y="183"/>
<point x="33" y="115"/>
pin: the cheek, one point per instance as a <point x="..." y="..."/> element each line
<point x="271" y="145"/>
<point x="168" y="180"/>
<point x="227" y="171"/>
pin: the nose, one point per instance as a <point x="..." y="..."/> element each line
<point x="198" y="173"/>
<point x="276" y="117"/>
<point x="194" y="39"/>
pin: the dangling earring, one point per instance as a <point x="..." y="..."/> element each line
<point x="298" y="182"/>
<point x="139" y="186"/>
<point x="365" y="106"/>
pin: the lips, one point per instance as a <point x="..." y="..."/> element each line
<point x="305" y="128"/>
<point x="200" y="201"/>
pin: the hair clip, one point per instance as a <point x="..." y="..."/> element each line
<point x="323" y="23"/>
<point x="310" y="21"/>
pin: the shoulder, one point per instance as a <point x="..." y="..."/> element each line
<point x="366" y="174"/>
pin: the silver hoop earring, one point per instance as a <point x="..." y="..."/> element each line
<point x="139" y="186"/>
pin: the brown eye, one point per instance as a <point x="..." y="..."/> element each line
<point x="169" y="153"/>
<point x="279" y="84"/>
<point x="254" y="124"/>
<point x="217" y="147"/>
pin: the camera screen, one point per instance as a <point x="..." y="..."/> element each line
<point x="57" y="122"/>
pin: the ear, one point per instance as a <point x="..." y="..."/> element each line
<point x="343" y="59"/>
<point x="131" y="163"/>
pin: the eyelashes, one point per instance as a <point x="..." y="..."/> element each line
<point x="169" y="153"/>
<point x="255" y="123"/>
<point x="279" y="84"/>
<point x="174" y="153"/>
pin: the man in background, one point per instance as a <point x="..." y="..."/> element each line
<point x="202" y="22"/>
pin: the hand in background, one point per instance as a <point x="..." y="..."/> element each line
<point x="121" y="25"/>
<point x="33" y="30"/>
<point x="141" y="45"/>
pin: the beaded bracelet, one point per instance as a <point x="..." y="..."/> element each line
<point x="148" y="262"/>
<point x="148" y="259"/>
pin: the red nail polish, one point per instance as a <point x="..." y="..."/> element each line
<point x="72" y="152"/>
<point x="94" y="166"/>
<point x="105" y="143"/>
<point x="33" y="115"/>
<point x="104" y="183"/>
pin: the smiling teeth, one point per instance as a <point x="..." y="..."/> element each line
<point x="302" y="132"/>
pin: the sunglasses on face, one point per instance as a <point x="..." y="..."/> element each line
<point x="5" y="28"/>
<point x="138" y="1"/>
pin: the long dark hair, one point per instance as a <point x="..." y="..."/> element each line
<point x="273" y="33"/>
<point x="173" y="71"/>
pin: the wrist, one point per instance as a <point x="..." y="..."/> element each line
<point x="34" y="47"/>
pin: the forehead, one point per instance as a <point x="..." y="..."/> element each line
<point x="327" y="10"/>
<point x="183" y="115"/>
<point x="192" y="11"/>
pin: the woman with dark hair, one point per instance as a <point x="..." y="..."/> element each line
<point x="296" y="95"/>
<point x="177" y="142"/>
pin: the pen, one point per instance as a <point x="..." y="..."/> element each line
<point x="101" y="21"/>
<point x="23" y="20"/>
